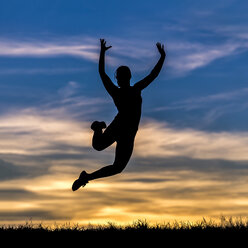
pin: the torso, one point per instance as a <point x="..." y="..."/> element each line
<point x="128" y="102"/>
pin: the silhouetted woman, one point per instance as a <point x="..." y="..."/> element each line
<point x="124" y="127"/>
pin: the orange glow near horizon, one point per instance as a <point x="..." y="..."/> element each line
<point x="149" y="189"/>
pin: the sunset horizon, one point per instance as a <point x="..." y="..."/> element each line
<point x="190" y="158"/>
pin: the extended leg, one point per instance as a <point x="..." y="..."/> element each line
<point x="123" y="153"/>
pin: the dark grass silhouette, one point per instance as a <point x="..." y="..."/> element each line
<point x="203" y="233"/>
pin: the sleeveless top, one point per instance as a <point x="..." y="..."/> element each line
<point x="128" y="102"/>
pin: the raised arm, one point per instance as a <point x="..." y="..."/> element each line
<point x="155" y="71"/>
<point x="108" y="84"/>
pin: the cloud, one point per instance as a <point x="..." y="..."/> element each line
<point x="183" y="56"/>
<point x="69" y="90"/>
<point x="166" y="141"/>
<point x="123" y="51"/>
<point x="202" y="102"/>
<point x="36" y="48"/>
<point x="200" y="41"/>
<point x="67" y="102"/>
<point x="34" y="71"/>
<point x="186" y="57"/>
<point x="9" y="171"/>
<point x="213" y="106"/>
<point x="173" y="174"/>
<point x="31" y="133"/>
<point x="56" y="133"/>
<point x="40" y="132"/>
<point x="160" y="194"/>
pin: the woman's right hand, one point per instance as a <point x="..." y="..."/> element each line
<point x="161" y="49"/>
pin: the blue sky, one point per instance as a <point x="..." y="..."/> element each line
<point x="206" y="43"/>
<point x="197" y="108"/>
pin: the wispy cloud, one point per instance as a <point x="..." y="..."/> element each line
<point x="33" y="132"/>
<point x="35" y="71"/>
<point x="201" y="41"/>
<point x="39" y="48"/>
<point x="50" y="124"/>
<point x="212" y="106"/>
<point x="183" y="56"/>
<point x="166" y="141"/>
<point x="186" y="57"/>
<point x="87" y="48"/>
<point x="200" y="102"/>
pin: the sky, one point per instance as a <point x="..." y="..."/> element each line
<point x="191" y="152"/>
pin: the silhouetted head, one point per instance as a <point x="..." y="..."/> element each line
<point x="123" y="76"/>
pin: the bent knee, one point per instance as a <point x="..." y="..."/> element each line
<point x="118" y="168"/>
<point x="98" y="147"/>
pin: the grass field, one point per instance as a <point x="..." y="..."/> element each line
<point x="225" y="232"/>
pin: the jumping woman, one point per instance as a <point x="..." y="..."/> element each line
<point x="124" y="127"/>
